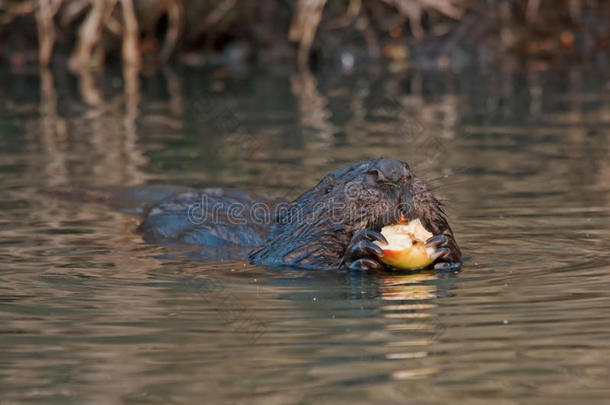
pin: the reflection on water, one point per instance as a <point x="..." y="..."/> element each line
<point x="93" y="314"/>
<point x="414" y="311"/>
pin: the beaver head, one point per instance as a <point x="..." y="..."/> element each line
<point x="315" y="230"/>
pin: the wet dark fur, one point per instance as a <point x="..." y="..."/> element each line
<point x="314" y="230"/>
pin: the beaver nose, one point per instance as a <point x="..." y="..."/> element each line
<point x="390" y="170"/>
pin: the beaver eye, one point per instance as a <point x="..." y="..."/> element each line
<point x="329" y="186"/>
<point x="378" y="178"/>
<point x="374" y="176"/>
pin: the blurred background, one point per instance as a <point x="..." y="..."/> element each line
<point x="443" y="33"/>
<point x="504" y="106"/>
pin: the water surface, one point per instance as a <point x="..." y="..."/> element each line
<point x="89" y="313"/>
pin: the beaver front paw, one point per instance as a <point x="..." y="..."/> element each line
<point x="362" y="253"/>
<point x="446" y="255"/>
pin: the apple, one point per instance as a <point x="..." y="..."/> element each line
<point x="406" y="245"/>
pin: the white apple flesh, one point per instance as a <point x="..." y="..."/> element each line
<point x="406" y="245"/>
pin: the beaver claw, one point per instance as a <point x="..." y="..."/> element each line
<point x="446" y="266"/>
<point x="438" y="241"/>
<point x="446" y="255"/>
<point x="362" y="253"/>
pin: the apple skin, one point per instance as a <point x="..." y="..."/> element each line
<point x="413" y="257"/>
<point x="406" y="245"/>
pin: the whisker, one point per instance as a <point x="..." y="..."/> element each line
<point x="449" y="185"/>
<point x="439" y="178"/>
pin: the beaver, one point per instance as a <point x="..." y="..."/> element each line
<point x="331" y="226"/>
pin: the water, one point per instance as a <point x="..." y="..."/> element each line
<point x="91" y="314"/>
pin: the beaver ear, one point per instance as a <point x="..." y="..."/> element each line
<point x="325" y="186"/>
